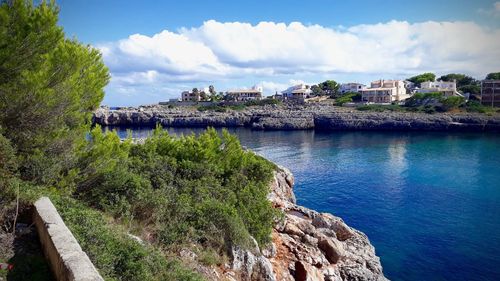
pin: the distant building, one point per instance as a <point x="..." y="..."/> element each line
<point x="255" y="93"/>
<point x="490" y="92"/>
<point x="351" y="88"/>
<point x="297" y="92"/>
<point x="385" y="91"/>
<point x="410" y="86"/>
<point x="449" y="89"/>
<point x="190" y="96"/>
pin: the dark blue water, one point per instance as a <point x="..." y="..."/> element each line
<point x="429" y="202"/>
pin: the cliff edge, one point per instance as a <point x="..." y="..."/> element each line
<point x="297" y="117"/>
<point x="306" y="245"/>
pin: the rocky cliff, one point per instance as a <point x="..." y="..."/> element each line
<point x="297" y="117"/>
<point x="306" y="245"/>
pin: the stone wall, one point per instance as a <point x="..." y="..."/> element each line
<point x="67" y="260"/>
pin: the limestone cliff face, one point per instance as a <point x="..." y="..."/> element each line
<point x="297" y="117"/>
<point x="306" y="245"/>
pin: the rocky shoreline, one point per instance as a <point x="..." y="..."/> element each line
<point x="297" y="117"/>
<point x="306" y="245"/>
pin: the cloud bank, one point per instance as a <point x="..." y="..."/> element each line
<point x="218" y="51"/>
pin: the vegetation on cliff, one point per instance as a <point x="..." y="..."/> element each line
<point x="205" y="192"/>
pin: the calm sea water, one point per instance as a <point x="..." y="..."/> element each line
<point x="429" y="202"/>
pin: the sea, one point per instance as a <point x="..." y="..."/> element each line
<point x="428" y="201"/>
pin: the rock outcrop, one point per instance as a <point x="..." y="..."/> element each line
<point x="306" y="245"/>
<point x="297" y="117"/>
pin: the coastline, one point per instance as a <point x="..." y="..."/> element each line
<point x="306" y="245"/>
<point x="297" y="117"/>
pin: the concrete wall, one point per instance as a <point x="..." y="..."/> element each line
<point x="66" y="258"/>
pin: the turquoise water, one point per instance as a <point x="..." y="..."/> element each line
<point x="429" y="202"/>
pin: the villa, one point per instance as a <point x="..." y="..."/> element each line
<point x="385" y="91"/>
<point x="490" y="92"/>
<point x="297" y="92"/>
<point x="190" y="96"/>
<point x="254" y="93"/>
<point x="351" y="88"/>
<point x="449" y="89"/>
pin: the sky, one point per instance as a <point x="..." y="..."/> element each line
<point x="157" y="49"/>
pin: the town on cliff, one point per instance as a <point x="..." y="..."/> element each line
<point x="455" y="102"/>
<point x="448" y="92"/>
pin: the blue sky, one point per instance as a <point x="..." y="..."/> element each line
<point x="155" y="49"/>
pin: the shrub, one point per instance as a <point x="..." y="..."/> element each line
<point x="452" y="102"/>
<point x="262" y="102"/>
<point x="348" y="97"/>
<point x="217" y="108"/>
<point x="209" y="257"/>
<point x="117" y="256"/>
<point x="475" y="106"/>
<point x="201" y="188"/>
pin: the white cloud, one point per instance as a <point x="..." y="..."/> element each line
<point x="218" y="51"/>
<point x="493" y="11"/>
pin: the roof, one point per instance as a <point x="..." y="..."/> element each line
<point x="249" y="91"/>
<point x="301" y="91"/>
<point x="352" y="83"/>
<point x="378" y="89"/>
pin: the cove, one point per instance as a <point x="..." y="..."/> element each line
<point x="429" y="202"/>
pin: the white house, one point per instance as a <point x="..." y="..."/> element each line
<point x="447" y="88"/>
<point x="254" y="93"/>
<point x="385" y="91"/>
<point x="351" y="88"/>
<point x="298" y="92"/>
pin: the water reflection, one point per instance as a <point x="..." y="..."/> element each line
<point x="429" y="202"/>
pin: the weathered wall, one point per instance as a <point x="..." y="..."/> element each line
<point x="66" y="258"/>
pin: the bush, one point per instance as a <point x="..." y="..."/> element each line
<point x="423" y="99"/>
<point x="432" y="102"/>
<point x="452" y="102"/>
<point x="262" y="102"/>
<point x="204" y="190"/>
<point x="348" y="97"/>
<point x="217" y="108"/>
<point x="201" y="188"/>
<point x="380" y="107"/>
<point x="475" y="106"/>
<point x="117" y="256"/>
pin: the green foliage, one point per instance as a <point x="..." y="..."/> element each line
<point x="493" y="76"/>
<point x="472" y="89"/>
<point x="452" y="102"/>
<point x="117" y="256"/>
<point x="224" y="107"/>
<point x="262" y="102"/>
<point x="380" y="107"/>
<point x="49" y="87"/>
<point x="432" y="102"/>
<point x="329" y="87"/>
<point x="422" y="99"/>
<point x="476" y="106"/>
<point x="465" y="83"/>
<point x="214" y="107"/>
<point x="206" y="188"/>
<point x="461" y="79"/>
<point x="317" y="91"/>
<point x="348" y="97"/>
<point x="8" y="160"/>
<point x="422" y="78"/>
